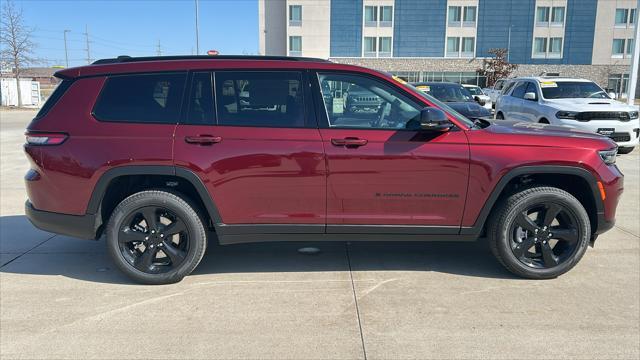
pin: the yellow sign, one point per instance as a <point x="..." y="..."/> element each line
<point x="548" y="84"/>
<point x="424" y="88"/>
<point x="398" y="79"/>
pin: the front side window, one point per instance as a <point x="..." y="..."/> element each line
<point x="531" y="88"/>
<point x="542" y="15"/>
<point x="520" y="89"/>
<point x="384" y="46"/>
<point x="263" y="99"/>
<point x="201" y="107"/>
<point x="557" y="15"/>
<point x="618" y="47"/>
<point x="469" y="16"/>
<point x="144" y="98"/>
<point x="386" y="16"/>
<point x="455" y="15"/>
<point x="540" y="46"/>
<point x="295" y="45"/>
<point x="453" y="47"/>
<point x="359" y="102"/>
<point x="370" y="16"/>
<point x="369" y="45"/>
<point x="621" y="17"/>
<point x="295" y="15"/>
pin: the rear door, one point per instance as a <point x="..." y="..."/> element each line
<point x="250" y="138"/>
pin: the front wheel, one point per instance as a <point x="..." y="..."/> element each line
<point x="499" y="116"/>
<point x="540" y="232"/>
<point x="155" y="237"/>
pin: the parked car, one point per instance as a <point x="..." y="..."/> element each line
<point x="457" y="97"/>
<point x="161" y="156"/>
<point x="578" y="103"/>
<point x="479" y="96"/>
<point x="359" y="100"/>
<point x="494" y="91"/>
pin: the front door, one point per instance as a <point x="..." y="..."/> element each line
<point x="258" y="151"/>
<point x="381" y="173"/>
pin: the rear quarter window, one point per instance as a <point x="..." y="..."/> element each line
<point x="60" y="90"/>
<point x="141" y="98"/>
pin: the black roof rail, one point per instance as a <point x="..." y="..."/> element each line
<point x="126" y="58"/>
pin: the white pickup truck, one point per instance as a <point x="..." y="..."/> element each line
<point x="494" y="92"/>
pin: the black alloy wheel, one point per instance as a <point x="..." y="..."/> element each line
<point x="544" y="235"/>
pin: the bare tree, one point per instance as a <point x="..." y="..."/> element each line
<point x="15" y="39"/>
<point x="496" y="67"/>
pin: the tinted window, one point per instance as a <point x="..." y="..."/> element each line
<point x="450" y="93"/>
<point x="55" y="96"/>
<point x="508" y="87"/>
<point x="571" y="90"/>
<point x="270" y="99"/>
<point x="520" y="89"/>
<point x="353" y="101"/>
<point x="201" y="108"/>
<point x="152" y="98"/>
<point x="531" y="88"/>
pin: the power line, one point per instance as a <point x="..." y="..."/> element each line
<point x="86" y="33"/>
<point x="159" y="50"/>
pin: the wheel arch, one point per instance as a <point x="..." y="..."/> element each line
<point x="579" y="182"/>
<point x="117" y="183"/>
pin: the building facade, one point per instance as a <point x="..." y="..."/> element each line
<point x="446" y="40"/>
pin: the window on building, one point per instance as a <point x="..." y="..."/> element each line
<point x="201" y="108"/>
<point x="632" y="16"/>
<point x="455" y="15"/>
<point x="555" y="47"/>
<point x="369" y="45"/>
<point x="295" y="15"/>
<point x="384" y="46"/>
<point x="453" y="47"/>
<point x="557" y="16"/>
<point x="256" y="98"/>
<point x="386" y="16"/>
<point x="468" y="48"/>
<point x="469" y="16"/>
<point x="618" y="84"/>
<point x="144" y="98"/>
<point x="295" y="45"/>
<point x="542" y="16"/>
<point x="540" y="47"/>
<point x="622" y="16"/>
<point x="371" y="16"/>
<point x="618" y="48"/>
<point x="629" y="46"/>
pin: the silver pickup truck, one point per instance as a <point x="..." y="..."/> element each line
<point x="494" y="92"/>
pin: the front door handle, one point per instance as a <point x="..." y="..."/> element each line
<point x="203" y="139"/>
<point x="350" y="142"/>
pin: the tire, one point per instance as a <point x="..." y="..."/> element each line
<point x="499" y="116"/>
<point x="625" y="150"/>
<point x="511" y="243"/>
<point x="140" y="248"/>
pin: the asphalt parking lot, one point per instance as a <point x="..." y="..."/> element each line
<point x="62" y="298"/>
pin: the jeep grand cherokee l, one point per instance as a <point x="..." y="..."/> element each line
<point x="162" y="155"/>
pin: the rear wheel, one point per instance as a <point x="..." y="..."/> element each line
<point x="625" y="150"/>
<point x="155" y="237"/>
<point x="540" y="232"/>
<point x="499" y="116"/>
<point x="543" y="121"/>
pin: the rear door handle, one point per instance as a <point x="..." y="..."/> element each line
<point x="203" y="139"/>
<point x="349" y="142"/>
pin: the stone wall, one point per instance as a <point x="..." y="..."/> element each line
<point x="597" y="73"/>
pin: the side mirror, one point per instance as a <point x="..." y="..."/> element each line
<point x="432" y="119"/>
<point x="612" y="95"/>
<point x="530" y="96"/>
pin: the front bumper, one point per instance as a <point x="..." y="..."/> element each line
<point x="78" y="226"/>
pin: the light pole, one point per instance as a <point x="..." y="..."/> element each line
<point x="633" y="74"/>
<point x="197" y="34"/>
<point x="66" y="53"/>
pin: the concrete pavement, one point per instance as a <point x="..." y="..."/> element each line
<point x="62" y="298"/>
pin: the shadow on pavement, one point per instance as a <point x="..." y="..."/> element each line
<point x="88" y="260"/>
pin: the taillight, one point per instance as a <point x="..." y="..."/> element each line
<point x="45" y="138"/>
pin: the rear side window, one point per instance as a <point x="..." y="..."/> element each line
<point x="269" y="99"/>
<point x="55" y="96"/>
<point x="144" y="98"/>
<point x="201" y="108"/>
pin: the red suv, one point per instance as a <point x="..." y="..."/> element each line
<point x="162" y="155"/>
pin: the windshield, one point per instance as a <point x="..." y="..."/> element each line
<point x="442" y="106"/>
<point x="474" y="90"/>
<point x="572" y="90"/>
<point x="449" y="93"/>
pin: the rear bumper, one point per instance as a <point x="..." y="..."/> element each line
<point x="83" y="227"/>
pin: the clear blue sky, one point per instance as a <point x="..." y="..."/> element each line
<point x="133" y="27"/>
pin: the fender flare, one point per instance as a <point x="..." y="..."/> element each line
<point x="105" y="179"/>
<point x="534" y="170"/>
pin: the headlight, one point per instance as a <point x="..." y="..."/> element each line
<point x="633" y="115"/>
<point x="566" y="115"/>
<point x="608" y="156"/>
